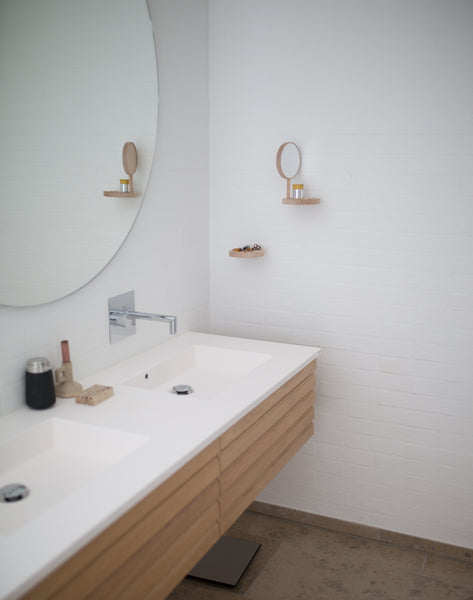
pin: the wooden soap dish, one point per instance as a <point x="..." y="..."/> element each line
<point x="94" y="395"/>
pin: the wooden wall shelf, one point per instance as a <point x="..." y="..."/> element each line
<point x="130" y="162"/>
<point x="288" y="164"/>
<point x="248" y="254"/>
<point x="301" y="200"/>
<point x="121" y="194"/>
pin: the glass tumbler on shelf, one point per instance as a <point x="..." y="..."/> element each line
<point x="298" y="191"/>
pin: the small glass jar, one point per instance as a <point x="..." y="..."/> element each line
<point x="298" y="190"/>
<point x="124" y="183"/>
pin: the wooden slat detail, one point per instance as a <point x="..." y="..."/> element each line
<point x="180" y="570"/>
<point x="270" y="418"/>
<point x="114" y="556"/>
<point x="159" y="543"/>
<point x="246" y="472"/>
<point x="266" y="441"/>
<point x="172" y="555"/>
<point x="48" y="586"/>
<point x="245" y="499"/>
<point x="243" y="424"/>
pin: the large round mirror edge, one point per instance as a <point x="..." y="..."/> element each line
<point x="144" y="185"/>
<point x="114" y="257"/>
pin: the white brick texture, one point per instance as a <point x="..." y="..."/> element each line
<point x="379" y="97"/>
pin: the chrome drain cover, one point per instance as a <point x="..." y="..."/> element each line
<point x="182" y="389"/>
<point x="13" y="492"/>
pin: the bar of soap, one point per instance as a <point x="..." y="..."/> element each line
<point x="95" y="394"/>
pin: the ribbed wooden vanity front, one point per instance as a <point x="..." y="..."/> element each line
<point x="255" y="449"/>
<point x="145" y="553"/>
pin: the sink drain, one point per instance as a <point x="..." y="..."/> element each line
<point x="182" y="389"/>
<point x="13" y="492"/>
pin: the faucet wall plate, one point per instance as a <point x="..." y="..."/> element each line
<point x="122" y="315"/>
<point x="121" y="327"/>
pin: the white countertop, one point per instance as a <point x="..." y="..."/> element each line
<point x="178" y="427"/>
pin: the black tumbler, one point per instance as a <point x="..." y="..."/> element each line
<point x="39" y="384"/>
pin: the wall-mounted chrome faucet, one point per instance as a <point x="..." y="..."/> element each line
<point x="122" y="316"/>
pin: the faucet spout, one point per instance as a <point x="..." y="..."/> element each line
<point x="122" y="316"/>
<point x="171" y="319"/>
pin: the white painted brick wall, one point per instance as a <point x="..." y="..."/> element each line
<point x="379" y="96"/>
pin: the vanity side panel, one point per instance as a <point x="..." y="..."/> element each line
<point x="244" y="499"/>
<point x="154" y="561"/>
<point x="244" y="423"/>
<point x="269" y="441"/>
<point x="256" y="448"/>
<point x="119" y="554"/>
<point x="180" y="570"/>
<point x="206" y="527"/>
<point x="254" y="432"/>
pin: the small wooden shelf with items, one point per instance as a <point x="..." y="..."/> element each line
<point x="253" y="254"/>
<point x="301" y="200"/>
<point x="288" y="164"/>
<point x="247" y="252"/>
<point x="118" y="194"/>
<point x="130" y="162"/>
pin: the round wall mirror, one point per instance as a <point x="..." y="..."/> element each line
<point x="79" y="80"/>
<point x="288" y="160"/>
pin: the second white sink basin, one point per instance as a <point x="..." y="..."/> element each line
<point x="207" y="369"/>
<point x="54" y="458"/>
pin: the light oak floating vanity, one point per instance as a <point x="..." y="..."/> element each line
<point x="212" y="453"/>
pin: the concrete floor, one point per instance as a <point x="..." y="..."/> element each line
<point x="303" y="562"/>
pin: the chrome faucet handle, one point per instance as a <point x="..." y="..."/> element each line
<point x="116" y="318"/>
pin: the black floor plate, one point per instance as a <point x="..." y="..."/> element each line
<point x="226" y="561"/>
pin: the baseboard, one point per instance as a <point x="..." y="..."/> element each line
<point x="366" y="531"/>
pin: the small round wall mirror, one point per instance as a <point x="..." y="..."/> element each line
<point x="288" y="163"/>
<point x="288" y="160"/>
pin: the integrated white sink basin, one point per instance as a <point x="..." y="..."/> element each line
<point x="86" y="466"/>
<point x="53" y="459"/>
<point x="209" y="370"/>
